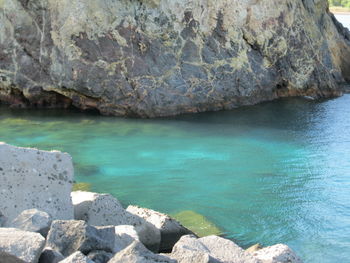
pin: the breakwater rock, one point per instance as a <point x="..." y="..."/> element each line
<point x="101" y="230"/>
<point x="151" y="58"/>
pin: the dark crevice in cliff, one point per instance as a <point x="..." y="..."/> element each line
<point x="34" y="97"/>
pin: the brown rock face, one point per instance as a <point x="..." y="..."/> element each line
<point x="165" y="57"/>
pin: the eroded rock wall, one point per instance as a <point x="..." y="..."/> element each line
<point x="164" y="57"/>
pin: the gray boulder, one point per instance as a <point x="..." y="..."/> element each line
<point x="20" y="246"/>
<point x="225" y="250"/>
<point x="70" y="236"/>
<point x="33" y="220"/>
<point x="170" y="229"/>
<point x="100" y="256"/>
<point x="124" y="236"/>
<point x="190" y="250"/>
<point x="2" y="220"/>
<point x="50" y="256"/>
<point x="279" y="253"/>
<point x="210" y="249"/>
<point x="35" y="179"/>
<point x="77" y="257"/>
<point x="104" y="209"/>
<point x="138" y="253"/>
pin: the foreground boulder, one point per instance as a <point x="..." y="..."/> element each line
<point x="158" y="57"/>
<point x="209" y="249"/>
<point x="77" y="257"/>
<point x="104" y="209"/>
<point x="170" y="230"/>
<point x="33" y="220"/>
<point x="124" y="236"/>
<point x="277" y="254"/>
<point x="35" y="179"/>
<point x="50" y="255"/>
<point x="70" y="236"/>
<point x="20" y="246"/>
<point x="137" y="253"/>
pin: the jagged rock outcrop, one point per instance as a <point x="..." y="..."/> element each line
<point x="163" y="57"/>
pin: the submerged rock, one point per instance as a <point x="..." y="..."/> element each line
<point x="157" y="58"/>
<point x="31" y="178"/>
<point x="20" y="246"/>
<point x="33" y="220"/>
<point x="200" y="225"/>
<point x="170" y="230"/>
<point x="81" y="187"/>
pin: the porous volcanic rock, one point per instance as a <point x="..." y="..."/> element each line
<point x="50" y="256"/>
<point x="20" y="246"/>
<point x="104" y="209"/>
<point x="279" y="253"/>
<point x="153" y="58"/>
<point x="77" y="257"/>
<point x="170" y="229"/>
<point x="31" y="178"/>
<point x="138" y="253"/>
<point x="69" y="236"/>
<point x="33" y="220"/>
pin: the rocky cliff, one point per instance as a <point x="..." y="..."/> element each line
<point x="153" y="58"/>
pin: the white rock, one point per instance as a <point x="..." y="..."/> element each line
<point x="125" y="235"/>
<point x="170" y="230"/>
<point x="30" y="178"/>
<point x="104" y="209"/>
<point x="77" y="257"/>
<point x="190" y="250"/>
<point x="17" y="245"/>
<point x="279" y="253"/>
<point x="138" y="253"/>
<point x="217" y="248"/>
<point x="33" y="220"/>
<point x="226" y="250"/>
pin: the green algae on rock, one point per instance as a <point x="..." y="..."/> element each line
<point x="158" y="57"/>
<point x="82" y="187"/>
<point x="197" y="223"/>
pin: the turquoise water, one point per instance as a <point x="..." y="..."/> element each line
<point x="277" y="172"/>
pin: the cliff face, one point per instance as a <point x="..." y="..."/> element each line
<point x="163" y="57"/>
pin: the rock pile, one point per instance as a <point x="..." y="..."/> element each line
<point x="101" y="230"/>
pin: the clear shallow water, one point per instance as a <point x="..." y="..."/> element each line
<point x="277" y="172"/>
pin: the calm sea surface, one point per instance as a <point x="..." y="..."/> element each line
<point x="277" y="172"/>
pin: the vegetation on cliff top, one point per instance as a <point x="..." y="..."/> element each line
<point x="340" y="3"/>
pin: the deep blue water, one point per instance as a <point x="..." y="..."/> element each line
<point x="277" y="172"/>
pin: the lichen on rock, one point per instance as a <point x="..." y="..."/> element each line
<point x="164" y="57"/>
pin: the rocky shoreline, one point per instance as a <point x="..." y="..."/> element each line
<point x="41" y="220"/>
